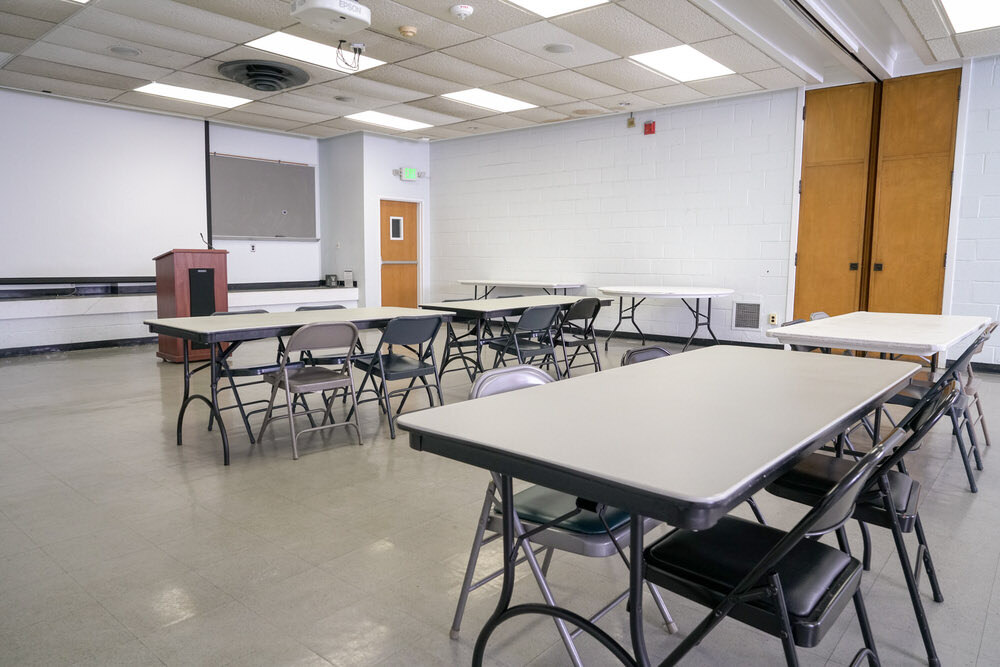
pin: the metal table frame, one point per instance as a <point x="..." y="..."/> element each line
<point x="701" y="319"/>
<point x="490" y="285"/>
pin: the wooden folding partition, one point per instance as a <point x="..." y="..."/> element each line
<point x="876" y="195"/>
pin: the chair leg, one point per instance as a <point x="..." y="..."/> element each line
<point x="787" y="641"/>
<point x="973" y="441"/>
<point x="981" y="419"/>
<point x="756" y="511"/>
<point x="668" y="620"/>
<point x="957" y="432"/>
<point x="291" y="425"/>
<point x="547" y="560"/>
<point x="388" y="406"/>
<point x="866" y="628"/>
<point x="470" y="569"/>
<point x="270" y="407"/>
<point x="354" y="409"/>
<point x="866" y="547"/>
<point x="928" y="562"/>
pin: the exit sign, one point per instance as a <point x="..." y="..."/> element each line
<point x="408" y="174"/>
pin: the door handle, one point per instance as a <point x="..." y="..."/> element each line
<point x="854" y="266"/>
<point x="877" y="267"/>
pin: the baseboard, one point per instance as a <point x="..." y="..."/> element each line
<point x="70" y="347"/>
<point x="681" y="340"/>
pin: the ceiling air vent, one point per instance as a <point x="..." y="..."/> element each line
<point x="263" y="75"/>
<point x="746" y="316"/>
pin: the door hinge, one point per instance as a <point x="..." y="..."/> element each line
<point x="945" y="260"/>
<point x="800" y="186"/>
<point x="959" y="91"/>
<point x="952" y="181"/>
<point x="803" y="112"/>
<point x="795" y="262"/>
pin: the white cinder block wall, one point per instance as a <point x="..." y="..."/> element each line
<point x="707" y="200"/>
<point x="977" y="268"/>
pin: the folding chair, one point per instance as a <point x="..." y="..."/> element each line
<point x="296" y="379"/>
<point x="576" y="330"/>
<point x="333" y="360"/>
<point x="639" y="354"/>
<point x="385" y="365"/>
<point x="455" y="345"/>
<point x="585" y="534"/>
<point x="529" y="337"/>
<point x="778" y="582"/>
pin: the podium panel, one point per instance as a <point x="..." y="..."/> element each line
<point x="189" y="283"/>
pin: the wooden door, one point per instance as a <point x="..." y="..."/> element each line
<point x="835" y="170"/>
<point x="913" y="199"/>
<point x="399" y="253"/>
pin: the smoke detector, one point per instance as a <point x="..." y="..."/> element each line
<point x="462" y="11"/>
<point x="341" y="17"/>
<point x="264" y="75"/>
<point x="407" y="30"/>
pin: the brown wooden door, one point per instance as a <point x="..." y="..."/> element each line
<point x="835" y="171"/>
<point x="399" y="253"/>
<point x="913" y="195"/>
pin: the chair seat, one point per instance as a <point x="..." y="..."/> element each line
<point x="818" y="580"/>
<point x="537" y="504"/>
<point x="395" y="365"/>
<point x="250" y="371"/>
<point x="311" y="378"/>
<point x="526" y="346"/>
<point x="815" y="475"/>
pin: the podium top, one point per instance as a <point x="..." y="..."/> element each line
<point x="192" y="250"/>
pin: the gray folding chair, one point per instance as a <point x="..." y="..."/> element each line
<point x="805" y="348"/>
<point x="311" y="379"/>
<point x="586" y="533"/>
<point x="334" y="359"/>
<point x="639" y="354"/>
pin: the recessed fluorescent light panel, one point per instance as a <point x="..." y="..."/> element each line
<point x="478" y="97"/>
<point x="387" y="120"/>
<point x="192" y="95"/>
<point x="309" y="51"/>
<point x="969" y="15"/>
<point x="682" y="63"/>
<point x="550" y="8"/>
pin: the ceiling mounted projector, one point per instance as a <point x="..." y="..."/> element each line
<point x="341" y="17"/>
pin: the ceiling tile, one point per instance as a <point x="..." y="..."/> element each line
<point x="93" y="42"/>
<point x="316" y="73"/>
<point x="46" y="10"/>
<point x="724" y="85"/>
<point x="680" y="18"/>
<point x="255" y="120"/>
<point x="624" y="74"/>
<point x="157" y="103"/>
<point x="672" y="94"/>
<point x="354" y="126"/>
<point x="288" y="113"/>
<point x="388" y="16"/>
<point x="46" y="68"/>
<point x="943" y="49"/>
<point x="435" y="133"/>
<point x="407" y="78"/>
<point x="378" y="90"/>
<point x="580" y="109"/>
<point x="927" y="18"/>
<point x="329" y="92"/>
<point x="735" y="53"/>
<point x="507" y="121"/>
<point x="187" y="18"/>
<point x="213" y="85"/>
<point x="118" y="25"/>
<point x="95" y="61"/>
<point x="451" y="108"/>
<point x="574" y="84"/>
<point x="421" y="115"/>
<point x="22" y="26"/>
<point x="979" y="43"/>
<point x="489" y="17"/>
<point x="625" y="102"/>
<point x="327" y="107"/>
<point x="616" y="30"/>
<point x="473" y="127"/>
<point x="11" y="44"/>
<point x="447" y="67"/>
<point x="273" y="14"/>
<point x="540" y="115"/>
<point x="377" y="46"/>
<point x="533" y="38"/>
<point x="320" y="131"/>
<point x="4" y="57"/>
<point x="502" y="58"/>
<point x="530" y="93"/>
<point x="57" y="86"/>
<point x="775" y="79"/>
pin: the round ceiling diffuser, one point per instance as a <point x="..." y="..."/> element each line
<point x="264" y="75"/>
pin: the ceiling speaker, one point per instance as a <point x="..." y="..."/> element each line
<point x="263" y="75"/>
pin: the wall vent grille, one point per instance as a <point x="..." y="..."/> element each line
<point x="746" y="316"/>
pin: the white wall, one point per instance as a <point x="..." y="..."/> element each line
<point x="707" y="200"/>
<point x="269" y="260"/>
<point x="976" y="288"/>
<point x="88" y="190"/>
<point x="341" y="209"/>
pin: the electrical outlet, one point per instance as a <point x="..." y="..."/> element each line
<point x="772" y="318"/>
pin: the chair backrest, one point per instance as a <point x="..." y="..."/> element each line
<point x="924" y="417"/>
<point x="584" y="312"/>
<point x="502" y="380"/>
<point x="334" y="306"/>
<point x="411" y="330"/>
<point x="537" y="318"/>
<point x="321" y="336"/>
<point x="639" y="354"/>
<point x="837" y="506"/>
<point x="818" y="315"/>
<point x="255" y="311"/>
<point x="803" y="348"/>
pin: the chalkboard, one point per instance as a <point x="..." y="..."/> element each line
<point x="261" y="199"/>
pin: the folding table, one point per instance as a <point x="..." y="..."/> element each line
<point x="888" y="333"/>
<point x="214" y="332"/>
<point x="490" y="285"/>
<point x="720" y="447"/>
<point x="685" y="294"/>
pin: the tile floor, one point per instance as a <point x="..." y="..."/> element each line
<point x="119" y="548"/>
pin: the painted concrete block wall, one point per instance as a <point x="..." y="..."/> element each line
<point x="342" y="212"/>
<point x="976" y="288"/>
<point x="707" y="200"/>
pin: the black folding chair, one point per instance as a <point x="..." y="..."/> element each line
<point x="455" y="345"/>
<point x="576" y="331"/>
<point x="529" y="337"/>
<point x="781" y="583"/>
<point x="385" y="364"/>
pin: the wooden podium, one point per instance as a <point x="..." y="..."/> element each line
<point x="189" y="283"/>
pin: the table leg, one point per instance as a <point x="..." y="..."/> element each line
<point x="636" y="581"/>
<point x="214" y="405"/>
<point x="509" y="561"/>
<point x="187" y="393"/>
<point x="626" y="314"/>
<point x="212" y="402"/>
<point x="934" y="362"/>
<point x="700" y="320"/>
